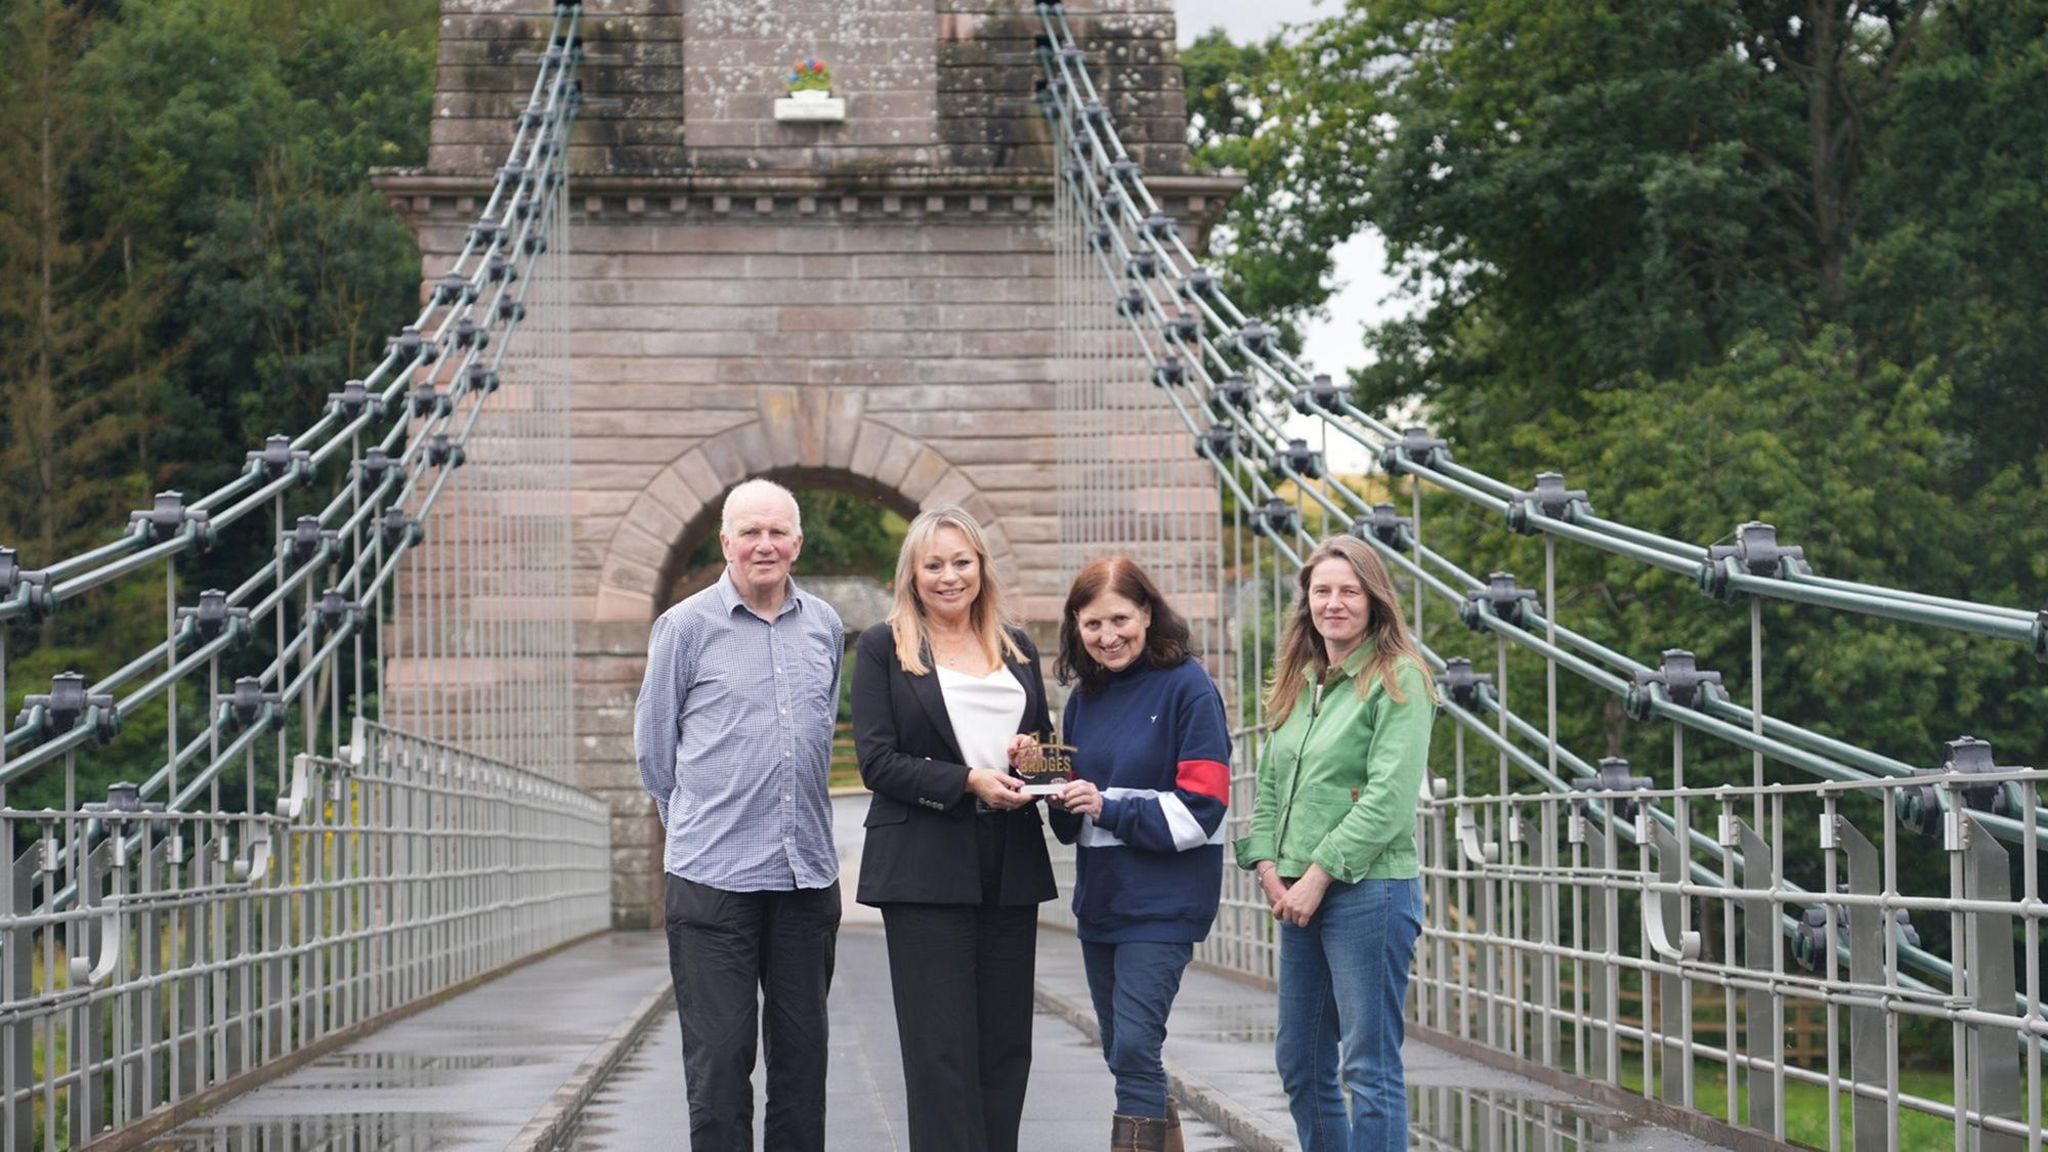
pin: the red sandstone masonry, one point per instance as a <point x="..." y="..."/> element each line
<point x="868" y="305"/>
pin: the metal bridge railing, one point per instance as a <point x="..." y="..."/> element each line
<point x="398" y="870"/>
<point x="358" y="796"/>
<point x="1560" y="888"/>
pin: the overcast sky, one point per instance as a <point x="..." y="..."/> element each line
<point x="1336" y="345"/>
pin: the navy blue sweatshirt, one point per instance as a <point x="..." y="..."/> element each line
<point x="1155" y="742"/>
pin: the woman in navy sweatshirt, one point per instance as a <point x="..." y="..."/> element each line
<point x="1152" y="760"/>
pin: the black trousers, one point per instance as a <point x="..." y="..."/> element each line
<point x="732" y="954"/>
<point x="962" y="974"/>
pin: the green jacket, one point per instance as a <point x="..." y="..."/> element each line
<point x="1339" y="780"/>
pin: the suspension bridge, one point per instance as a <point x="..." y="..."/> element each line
<point x="381" y="884"/>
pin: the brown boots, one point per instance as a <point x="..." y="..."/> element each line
<point x="1147" y="1133"/>
<point x="1136" y="1134"/>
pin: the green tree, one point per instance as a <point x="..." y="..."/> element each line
<point x="79" y="381"/>
<point x="191" y="257"/>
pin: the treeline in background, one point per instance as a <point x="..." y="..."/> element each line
<point x="191" y="258"/>
<point x="1713" y="260"/>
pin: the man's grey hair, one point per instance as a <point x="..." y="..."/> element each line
<point x="750" y="489"/>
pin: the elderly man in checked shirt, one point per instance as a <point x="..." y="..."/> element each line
<point x="733" y="731"/>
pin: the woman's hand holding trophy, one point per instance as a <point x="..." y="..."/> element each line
<point x="1048" y="771"/>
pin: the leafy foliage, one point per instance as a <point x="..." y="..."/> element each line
<point x="1714" y="260"/>
<point x="191" y="257"/>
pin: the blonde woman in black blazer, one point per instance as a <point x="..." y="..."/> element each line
<point x="944" y="693"/>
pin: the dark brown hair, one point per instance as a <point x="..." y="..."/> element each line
<point x="1166" y="639"/>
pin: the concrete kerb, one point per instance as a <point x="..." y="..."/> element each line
<point x="1194" y="1094"/>
<point x="552" y="1127"/>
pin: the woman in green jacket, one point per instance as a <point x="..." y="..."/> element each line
<point x="1333" y="843"/>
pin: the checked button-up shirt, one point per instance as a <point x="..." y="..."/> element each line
<point x="733" y="733"/>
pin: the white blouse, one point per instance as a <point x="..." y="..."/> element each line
<point x="985" y="711"/>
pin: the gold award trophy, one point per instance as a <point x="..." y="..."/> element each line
<point x="1046" y="768"/>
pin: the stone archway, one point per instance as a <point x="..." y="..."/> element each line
<point x="809" y="437"/>
<point x="798" y="437"/>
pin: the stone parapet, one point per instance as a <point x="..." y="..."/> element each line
<point x="674" y="86"/>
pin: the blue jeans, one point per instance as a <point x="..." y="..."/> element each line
<point x="1133" y="986"/>
<point x="1343" y="981"/>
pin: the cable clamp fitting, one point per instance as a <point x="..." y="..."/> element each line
<point x="354" y="399"/>
<point x="1612" y="775"/>
<point x="67" y="705"/>
<point x="278" y="459"/>
<point x="333" y="611"/>
<point x="1416" y="446"/>
<point x="429" y="401"/>
<point x="1459" y="684"/>
<point x="410" y="346"/>
<point x="371" y="470"/>
<point x="250" y="706"/>
<point x="28" y="587"/>
<point x="1501" y="599"/>
<point x="398" y="530"/>
<point x="169" y="518"/>
<point x="1756" y="552"/>
<point x="1549" y="499"/>
<point x="1300" y="459"/>
<point x="205" y="621"/>
<point x="443" y="452"/>
<point x="1219" y="442"/>
<point x="306" y="542"/>
<point x="1808" y="942"/>
<point x="454" y="288"/>
<point x="1386" y="525"/>
<point x="1680" y="680"/>
<point x="1321" y="394"/>
<point x="1254" y="338"/>
<point x="1276" y="518"/>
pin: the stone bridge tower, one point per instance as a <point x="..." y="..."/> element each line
<point x="868" y="304"/>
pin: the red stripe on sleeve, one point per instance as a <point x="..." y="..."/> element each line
<point x="1206" y="777"/>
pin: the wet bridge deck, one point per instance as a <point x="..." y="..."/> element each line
<point x="487" y="1069"/>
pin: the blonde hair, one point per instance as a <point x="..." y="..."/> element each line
<point x="1302" y="653"/>
<point x="989" y="616"/>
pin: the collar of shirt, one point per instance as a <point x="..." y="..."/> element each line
<point x="1350" y="667"/>
<point x="729" y="595"/>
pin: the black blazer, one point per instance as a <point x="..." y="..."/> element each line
<point x="921" y="846"/>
